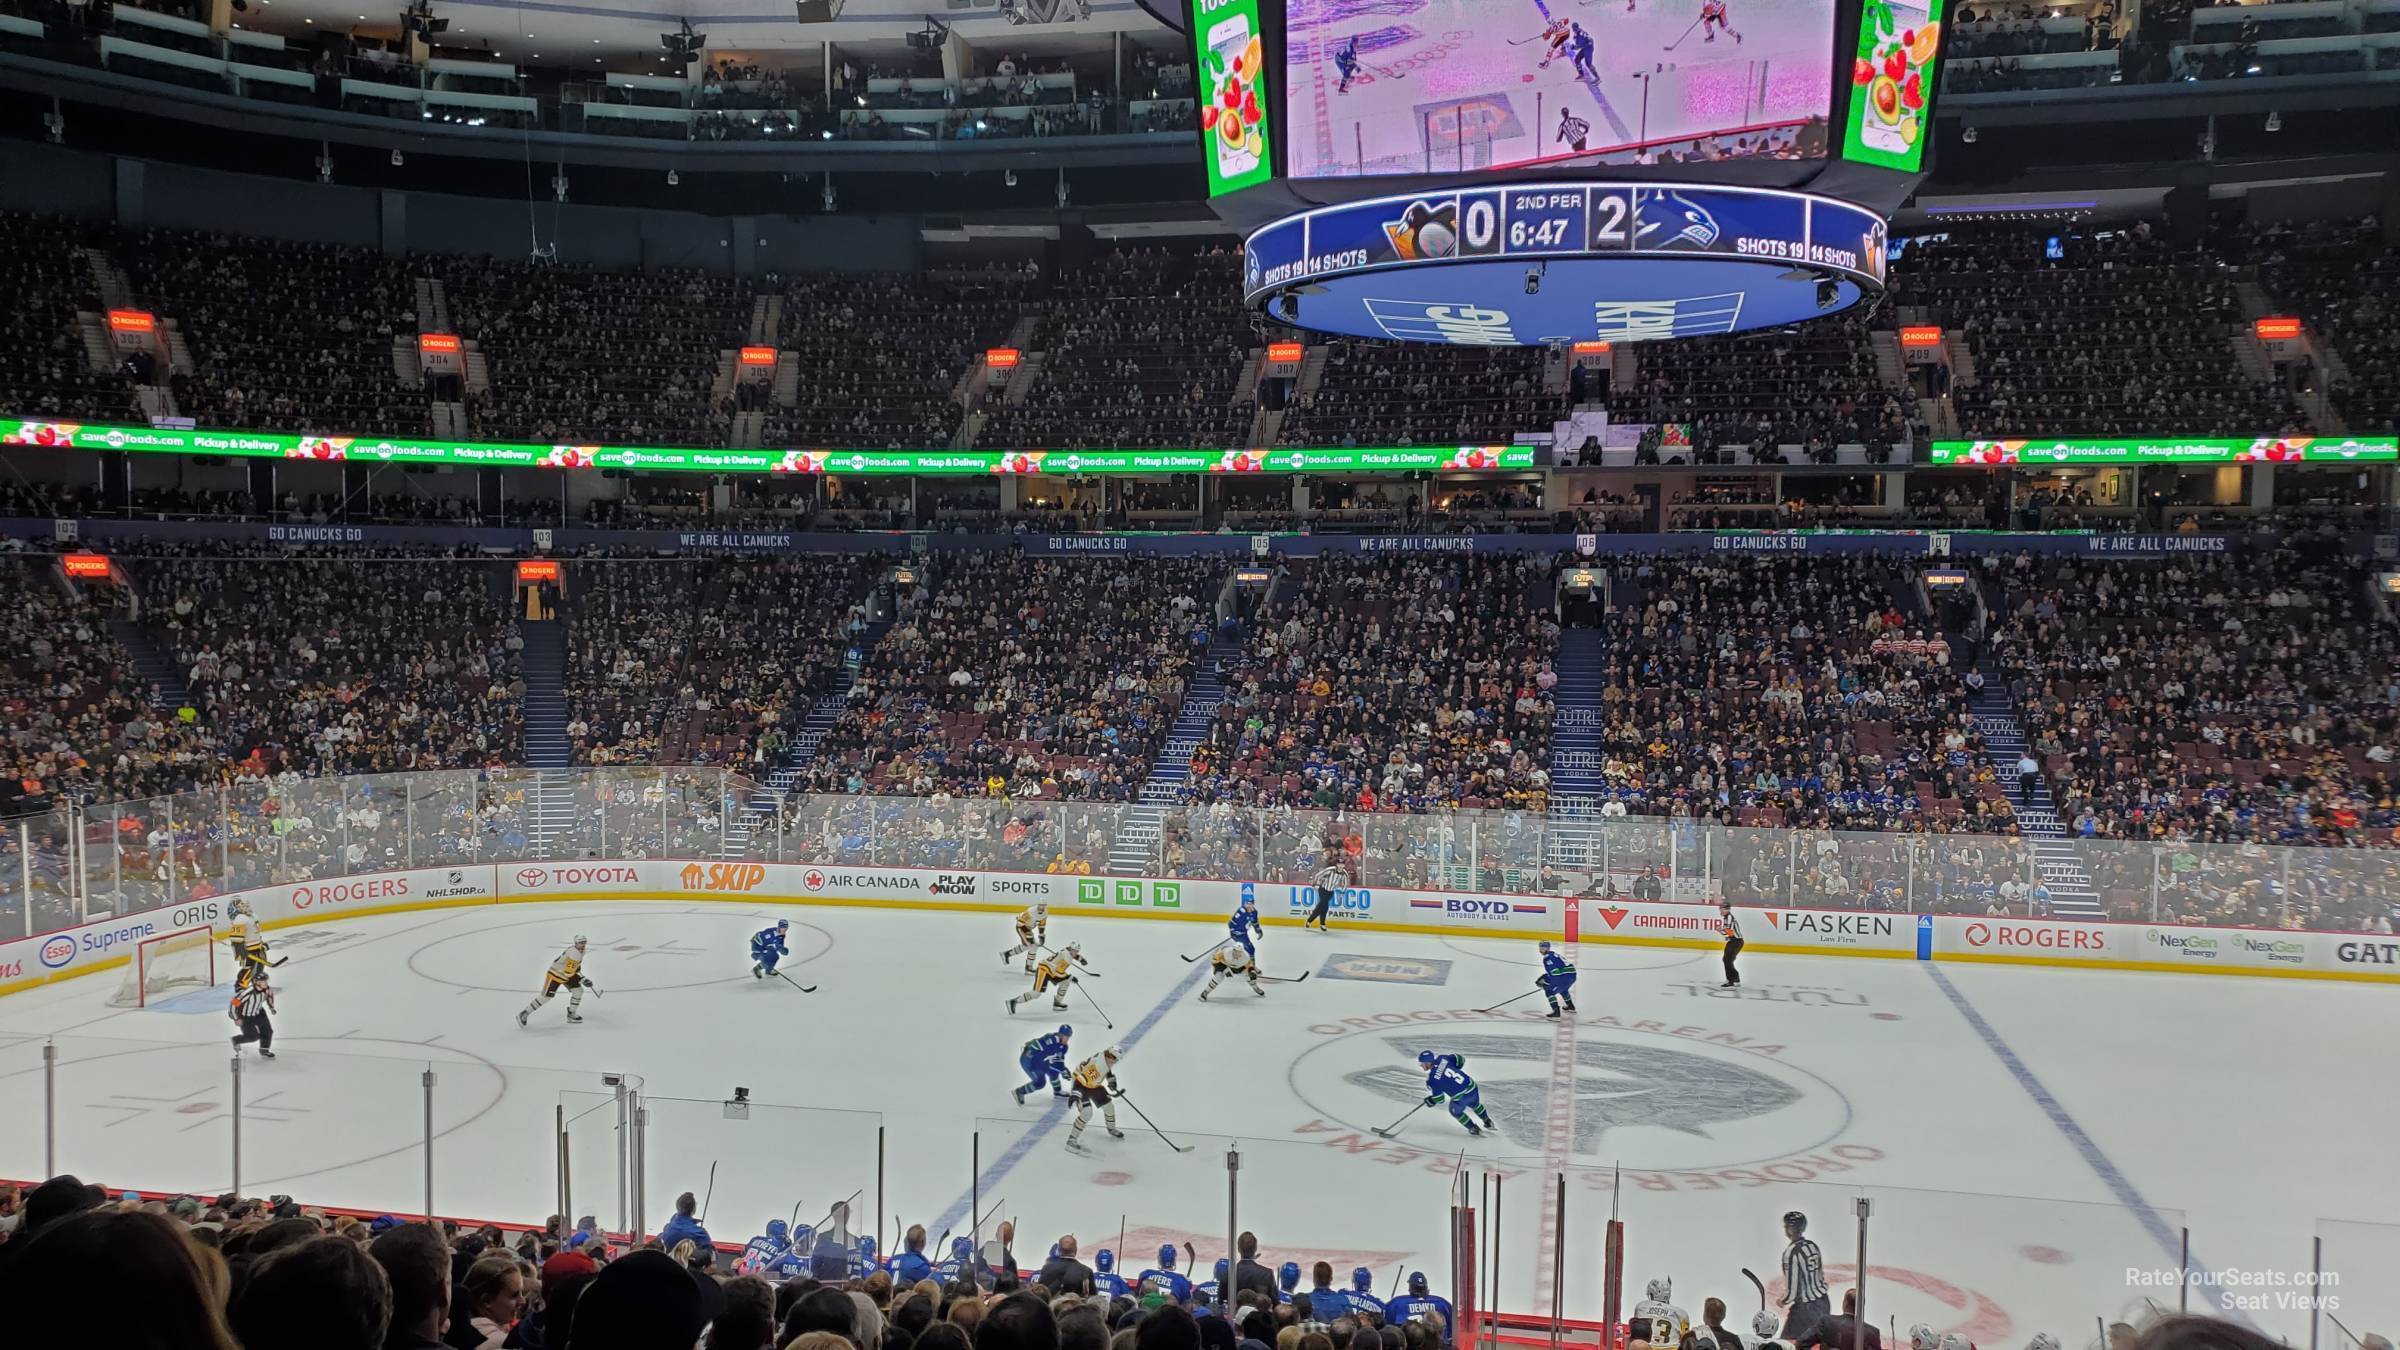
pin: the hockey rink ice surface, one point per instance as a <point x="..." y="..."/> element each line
<point x="2027" y="1137"/>
<point x="1415" y="56"/>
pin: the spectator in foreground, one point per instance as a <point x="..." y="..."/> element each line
<point x="322" y="1294"/>
<point x="491" y="1298"/>
<point x="643" y="1302"/>
<point x="417" y="1263"/>
<point x="81" y="1267"/>
<point x="1063" y="1274"/>
<point x="1018" y="1322"/>
<point x="748" y="1320"/>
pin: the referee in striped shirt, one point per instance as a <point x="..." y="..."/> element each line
<point x="1572" y="129"/>
<point x="1733" y="942"/>
<point x="1803" y="1279"/>
<point x="250" y="1009"/>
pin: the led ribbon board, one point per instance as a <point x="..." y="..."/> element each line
<point x="1527" y="264"/>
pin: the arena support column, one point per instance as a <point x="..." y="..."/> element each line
<point x="236" y="1188"/>
<point x="49" y="1108"/>
<point x="1233" y="1251"/>
<point x="1863" y="1206"/>
<point x="428" y="1080"/>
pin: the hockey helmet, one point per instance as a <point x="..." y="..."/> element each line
<point x="1765" y="1325"/>
<point x="1104" y="1260"/>
<point x="2042" y="1340"/>
<point x="1074" y="949"/>
<point x="1041" y="911"/>
<point x="579" y="939"/>
<point x="866" y="1248"/>
<point x="1289" y="1274"/>
<point x="1065" y="1031"/>
<point x="1543" y="945"/>
<point x="961" y="1248"/>
<point x="1166" y="1257"/>
<point x="1363" y="1280"/>
<point x="1923" y="1337"/>
<point x="777" y="1230"/>
<point x="1222" y="1267"/>
<point x="1425" y="1057"/>
<point x="1115" y="1053"/>
<point x="1955" y="1341"/>
<point x="1661" y="1290"/>
<point x="783" y="923"/>
<point x="1416" y="1282"/>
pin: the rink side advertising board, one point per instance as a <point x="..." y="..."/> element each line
<point x="1538" y="263"/>
<point x="106" y="944"/>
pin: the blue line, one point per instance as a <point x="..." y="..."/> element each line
<point x="1051" y="1118"/>
<point x="2167" y="1238"/>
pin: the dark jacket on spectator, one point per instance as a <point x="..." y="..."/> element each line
<point x="1065" y="1275"/>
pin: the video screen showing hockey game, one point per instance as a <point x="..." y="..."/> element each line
<point x="1445" y="86"/>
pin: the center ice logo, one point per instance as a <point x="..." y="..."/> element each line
<point x="1657" y="1095"/>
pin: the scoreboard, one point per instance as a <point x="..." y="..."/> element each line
<point x="1522" y="171"/>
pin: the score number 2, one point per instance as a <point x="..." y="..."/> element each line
<point x="1482" y="233"/>
<point x="1612" y="218"/>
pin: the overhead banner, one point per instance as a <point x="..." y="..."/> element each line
<point x="496" y="455"/>
<point x="2263" y="450"/>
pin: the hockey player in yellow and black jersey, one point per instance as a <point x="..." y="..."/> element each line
<point x="1052" y="973"/>
<point x="1095" y="1085"/>
<point x="1033" y="934"/>
<point x="249" y="947"/>
<point x="565" y="973"/>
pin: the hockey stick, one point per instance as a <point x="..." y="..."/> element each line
<point x="1285" y="979"/>
<point x="1212" y="947"/>
<point x="1679" y="41"/>
<point x="1514" y="42"/>
<point x="2337" y="1322"/>
<point x="277" y="963"/>
<point x="1506" y="1001"/>
<point x="1754" y="1283"/>
<point x="1162" y="1134"/>
<point x="711" y="1192"/>
<point x="1386" y="1131"/>
<point x="803" y="988"/>
<point x="1087" y="997"/>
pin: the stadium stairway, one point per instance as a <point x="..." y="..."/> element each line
<point x="1136" y="844"/>
<point x="151" y="663"/>
<point x="736" y="841"/>
<point x="553" y="792"/>
<point x="2072" y="894"/>
<point x="1577" y="746"/>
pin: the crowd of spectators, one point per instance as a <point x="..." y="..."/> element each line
<point x="1391" y="683"/>
<point x="1806" y="692"/>
<point x="584" y="355"/>
<point x="1025" y="677"/>
<point x="2123" y="334"/>
<point x="342" y="666"/>
<point x="48" y="372"/>
<point x="2341" y="276"/>
<point x="1395" y="393"/>
<point x="881" y="352"/>
<point x="282" y="335"/>
<point x="704" y="662"/>
<point x="1815" y="387"/>
<point x="1142" y="348"/>
<point x="2209" y="698"/>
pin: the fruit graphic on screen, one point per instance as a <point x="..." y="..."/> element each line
<point x="1884" y="95"/>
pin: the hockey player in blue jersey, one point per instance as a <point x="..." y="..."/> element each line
<point x="909" y="1264"/>
<point x="1557" y="980"/>
<point x="1287" y="1279"/>
<point x="863" y="1261"/>
<point x="1104" y="1274"/>
<point x="1579" y="46"/>
<point x="1362" y="1293"/>
<point x="1346" y="61"/>
<point x="1446" y="1076"/>
<point x="772" y="1254"/>
<point x="959" y="1264"/>
<point x="1244" y="924"/>
<point x="1044" y="1061"/>
<point x="1205" y="1292"/>
<point x="768" y="946"/>
<point x="1417" y="1306"/>
<point x="1164" y="1277"/>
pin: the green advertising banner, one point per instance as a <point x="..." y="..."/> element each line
<point x="1892" y="84"/>
<point x="2263" y="450"/>
<point x="1234" y="99"/>
<point x="377" y="450"/>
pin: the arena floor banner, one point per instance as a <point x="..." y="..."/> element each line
<point x="106" y="943"/>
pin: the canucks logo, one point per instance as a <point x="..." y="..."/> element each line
<point x="1669" y="220"/>
<point x="1424" y="230"/>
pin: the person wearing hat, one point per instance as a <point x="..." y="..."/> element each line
<point x="644" y="1302"/>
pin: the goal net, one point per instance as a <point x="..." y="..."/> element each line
<point x="167" y="964"/>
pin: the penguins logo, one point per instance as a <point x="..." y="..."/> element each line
<point x="1684" y="225"/>
<point x="1424" y="231"/>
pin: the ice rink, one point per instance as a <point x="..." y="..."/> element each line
<point x="2027" y="1137"/>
